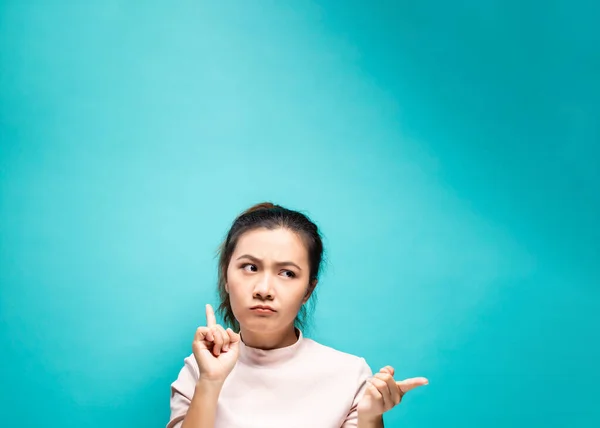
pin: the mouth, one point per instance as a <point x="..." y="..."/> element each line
<point x="263" y="309"/>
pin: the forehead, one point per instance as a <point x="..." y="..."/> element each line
<point x="277" y="244"/>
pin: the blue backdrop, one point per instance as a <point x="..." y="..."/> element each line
<point x="449" y="152"/>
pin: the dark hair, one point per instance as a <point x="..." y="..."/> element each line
<point x="270" y="216"/>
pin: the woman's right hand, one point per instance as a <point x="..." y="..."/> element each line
<point x="216" y="350"/>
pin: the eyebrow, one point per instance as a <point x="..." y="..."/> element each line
<point x="257" y="260"/>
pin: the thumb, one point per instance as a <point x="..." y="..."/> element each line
<point x="412" y="383"/>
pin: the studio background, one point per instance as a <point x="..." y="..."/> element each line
<point x="449" y="153"/>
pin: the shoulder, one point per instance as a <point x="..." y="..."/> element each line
<point x="182" y="391"/>
<point x="187" y="377"/>
<point x="190" y="366"/>
<point x="329" y="352"/>
<point x="332" y="358"/>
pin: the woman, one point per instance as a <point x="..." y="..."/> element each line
<point x="268" y="375"/>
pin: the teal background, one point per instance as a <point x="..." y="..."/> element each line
<point x="449" y="152"/>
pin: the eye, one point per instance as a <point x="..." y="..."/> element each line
<point x="249" y="267"/>
<point x="289" y="273"/>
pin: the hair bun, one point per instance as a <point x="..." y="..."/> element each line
<point x="260" y="206"/>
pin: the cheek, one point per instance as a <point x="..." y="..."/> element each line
<point x="235" y="286"/>
<point x="233" y="277"/>
<point x="295" y="297"/>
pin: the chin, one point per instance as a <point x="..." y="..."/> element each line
<point x="261" y="325"/>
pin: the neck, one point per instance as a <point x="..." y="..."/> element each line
<point x="275" y="340"/>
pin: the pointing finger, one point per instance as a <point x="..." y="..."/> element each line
<point x="211" y="321"/>
<point x="412" y="383"/>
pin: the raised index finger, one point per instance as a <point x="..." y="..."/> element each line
<point x="211" y="321"/>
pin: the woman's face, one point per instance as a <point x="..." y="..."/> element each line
<point x="268" y="279"/>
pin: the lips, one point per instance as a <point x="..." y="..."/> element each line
<point x="263" y="307"/>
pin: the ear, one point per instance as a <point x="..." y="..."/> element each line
<point x="309" y="290"/>
<point x="227" y="288"/>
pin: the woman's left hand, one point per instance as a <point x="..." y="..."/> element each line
<point x="383" y="393"/>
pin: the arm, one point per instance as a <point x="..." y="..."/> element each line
<point x="354" y="419"/>
<point x="194" y="397"/>
<point x="203" y="408"/>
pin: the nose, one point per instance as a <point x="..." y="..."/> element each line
<point x="263" y="289"/>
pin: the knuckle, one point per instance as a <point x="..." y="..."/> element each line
<point x="378" y="383"/>
<point x="383" y="376"/>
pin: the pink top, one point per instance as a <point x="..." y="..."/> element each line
<point x="303" y="385"/>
